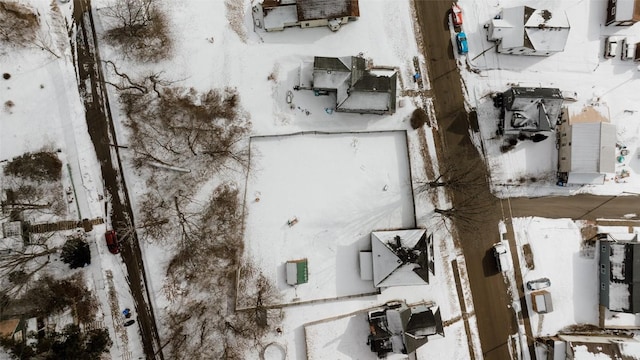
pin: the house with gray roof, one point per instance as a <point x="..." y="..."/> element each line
<point x="399" y="328"/>
<point x="530" y="111"/>
<point x="587" y="146"/>
<point x="619" y="275"/>
<point x="523" y="30"/>
<point x="276" y="15"/>
<point x="357" y="88"/>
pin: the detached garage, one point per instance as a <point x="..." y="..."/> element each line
<point x="297" y="272"/>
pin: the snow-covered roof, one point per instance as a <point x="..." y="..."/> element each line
<point x="12" y="229"/>
<point x="399" y="257"/>
<point x="593" y="148"/>
<point x="407" y="327"/>
<point x="537" y="29"/>
<point x="624" y="276"/>
<point x="357" y="88"/>
<point x="627" y="10"/>
<point x="609" y="346"/>
<point x="531" y="109"/>
<point x="281" y="16"/>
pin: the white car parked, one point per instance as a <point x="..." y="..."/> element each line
<point x="503" y="256"/>
<point x="611" y="46"/>
<point x="628" y="49"/>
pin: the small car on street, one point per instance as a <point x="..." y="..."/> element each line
<point x="461" y="41"/>
<point x="503" y="256"/>
<point x="538" y="284"/>
<point x="611" y="46"/>
<point x="456" y="15"/>
<point x="628" y="49"/>
<point x="112" y="241"/>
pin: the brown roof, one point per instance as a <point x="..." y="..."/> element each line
<point x="326" y="9"/>
<point x="8" y="327"/>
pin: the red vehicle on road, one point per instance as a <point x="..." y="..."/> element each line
<point x="112" y="241"/>
<point x="456" y="15"/>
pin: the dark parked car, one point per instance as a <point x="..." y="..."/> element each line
<point x="112" y="241"/>
<point x="538" y="284"/>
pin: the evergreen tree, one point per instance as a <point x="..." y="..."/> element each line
<point x="76" y="253"/>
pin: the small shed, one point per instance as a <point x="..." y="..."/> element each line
<point x="296" y="271"/>
<point x="541" y="302"/>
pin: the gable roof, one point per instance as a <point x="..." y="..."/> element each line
<point x="532" y="109"/>
<point x="9" y="327"/>
<point x="399" y="257"/>
<point x="421" y="322"/>
<point x="537" y="29"/>
<point x="624" y="276"/>
<point x="400" y="328"/>
<point x="357" y="88"/>
<point x="326" y="9"/>
<point x="593" y="148"/>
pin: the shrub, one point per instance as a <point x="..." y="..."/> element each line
<point x="41" y="166"/>
<point x="418" y="118"/>
<point x="141" y="30"/>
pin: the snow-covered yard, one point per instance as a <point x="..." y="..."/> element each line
<point x="560" y="255"/>
<point x="340" y="188"/>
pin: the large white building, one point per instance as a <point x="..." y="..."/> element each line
<point x="523" y="30"/>
<point x="587" y="146"/>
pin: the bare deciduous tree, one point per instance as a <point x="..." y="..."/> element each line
<point x="37" y="197"/>
<point x="212" y="243"/>
<point x="180" y="127"/>
<point x="18" y="23"/>
<point x="457" y="174"/>
<point x="139" y="28"/>
<point x="469" y="210"/>
<point x="19" y="265"/>
<point x="131" y="16"/>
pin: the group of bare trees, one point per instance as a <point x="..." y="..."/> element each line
<point x="182" y="140"/>
<point x="204" y="269"/>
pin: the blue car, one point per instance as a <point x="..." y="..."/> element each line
<point x="461" y="41"/>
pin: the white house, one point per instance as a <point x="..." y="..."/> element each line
<point x="623" y="12"/>
<point x="397" y="258"/>
<point x="523" y="30"/>
<point x="357" y="87"/>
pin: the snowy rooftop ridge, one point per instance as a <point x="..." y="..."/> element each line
<point x="399" y="257"/>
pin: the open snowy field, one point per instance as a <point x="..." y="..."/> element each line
<point x="612" y="84"/>
<point x="340" y="188"/>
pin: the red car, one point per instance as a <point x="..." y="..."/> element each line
<point x="112" y="241"/>
<point x="456" y="15"/>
